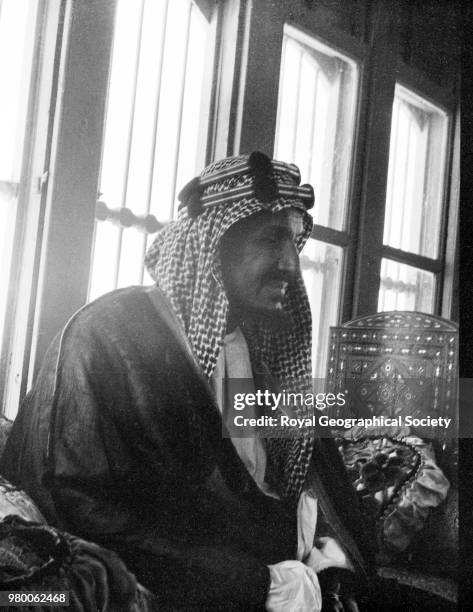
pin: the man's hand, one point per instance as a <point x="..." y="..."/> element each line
<point x="338" y="590"/>
<point x="327" y="554"/>
<point x="294" y="588"/>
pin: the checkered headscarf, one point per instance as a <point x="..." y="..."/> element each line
<point x="185" y="263"/>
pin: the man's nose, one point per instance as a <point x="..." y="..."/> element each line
<point x="288" y="260"/>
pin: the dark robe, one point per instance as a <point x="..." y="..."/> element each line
<point x="120" y="442"/>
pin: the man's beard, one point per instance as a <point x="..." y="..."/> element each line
<point x="273" y="319"/>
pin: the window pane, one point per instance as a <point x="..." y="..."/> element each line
<point x="316" y="120"/>
<point x="7" y="230"/>
<point x="322" y="269"/>
<point x="17" y="40"/>
<point x="153" y="118"/>
<point x="404" y="287"/>
<point x="106" y="253"/>
<point x="416" y="174"/>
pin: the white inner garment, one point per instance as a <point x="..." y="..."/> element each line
<point x="234" y="362"/>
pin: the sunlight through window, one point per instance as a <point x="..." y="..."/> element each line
<point x="17" y="39"/>
<point x="153" y="122"/>
<point x="318" y="89"/>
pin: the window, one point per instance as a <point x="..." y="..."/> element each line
<point x="155" y="116"/>
<point x="403" y="287"/>
<point x="318" y="92"/>
<point x="111" y="106"/>
<point x="17" y="40"/>
<point x="28" y="35"/>
<point x="414" y="204"/>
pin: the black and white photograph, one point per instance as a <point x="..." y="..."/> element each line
<point x="229" y="306"/>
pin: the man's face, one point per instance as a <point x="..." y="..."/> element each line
<point x="260" y="261"/>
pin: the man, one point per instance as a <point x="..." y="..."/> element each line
<point x="120" y="441"/>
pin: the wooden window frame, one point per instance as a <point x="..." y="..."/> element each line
<point x="32" y="205"/>
<point x="256" y="89"/>
<point x="239" y="91"/>
<point x="387" y="69"/>
<point x="74" y="175"/>
<point x="416" y="82"/>
<point x="381" y="67"/>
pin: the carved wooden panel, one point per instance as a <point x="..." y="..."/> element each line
<point x="396" y="363"/>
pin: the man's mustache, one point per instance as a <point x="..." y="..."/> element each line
<point x="280" y="276"/>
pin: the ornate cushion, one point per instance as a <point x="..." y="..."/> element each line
<point x="397" y="480"/>
<point x="14" y="500"/>
<point x="17" y="502"/>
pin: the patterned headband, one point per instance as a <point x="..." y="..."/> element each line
<point x="244" y="177"/>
